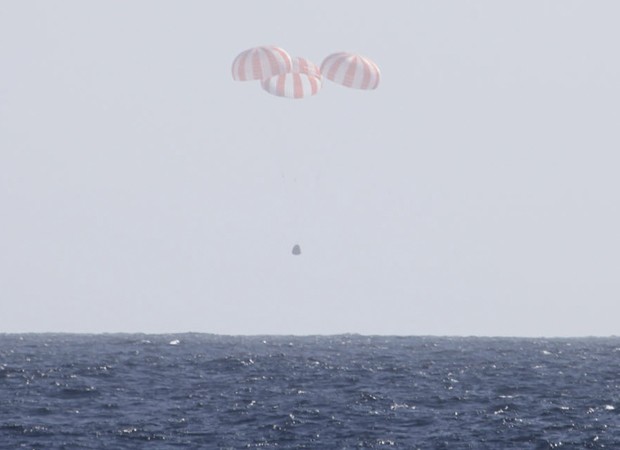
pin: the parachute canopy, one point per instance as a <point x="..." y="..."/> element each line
<point x="351" y="70"/>
<point x="296" y="250"/>
<point x="261" y="63"/>
<point x="303" y="80"/>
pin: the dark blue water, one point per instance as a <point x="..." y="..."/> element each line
<point x="204" y="391"/>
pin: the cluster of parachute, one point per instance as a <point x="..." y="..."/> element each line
<point x="296" y="77"/>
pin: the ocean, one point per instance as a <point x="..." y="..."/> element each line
<point x="195" y="391"/>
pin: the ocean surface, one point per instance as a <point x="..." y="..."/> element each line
<point x="194" y="391"/>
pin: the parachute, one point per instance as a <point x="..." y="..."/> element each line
<point x="351" y="70"/>
<point x="260" y="63"/>
<point x="296" y="250"/>
<point x="303" y="80"/>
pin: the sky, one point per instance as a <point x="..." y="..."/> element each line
<point x="475" y="192"/>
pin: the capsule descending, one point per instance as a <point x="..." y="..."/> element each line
<point x="296" y="250"/>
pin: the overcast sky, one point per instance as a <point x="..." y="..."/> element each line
<point x="475" y="192"/>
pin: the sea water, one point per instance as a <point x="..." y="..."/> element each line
<point x="206" y="391"/>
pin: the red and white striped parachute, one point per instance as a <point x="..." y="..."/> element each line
<point x="303" y="80"/>
<point x="260" y="63"/>
<point x="351" y="70"/>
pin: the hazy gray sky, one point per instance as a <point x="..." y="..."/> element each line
<point x="475" y="192"/>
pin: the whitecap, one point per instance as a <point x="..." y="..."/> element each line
<point x="396" y="406"/>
